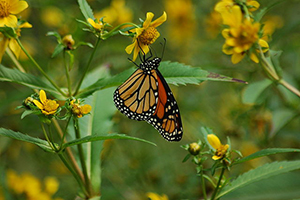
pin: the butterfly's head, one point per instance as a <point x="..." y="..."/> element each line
<point x="149" y="65"/>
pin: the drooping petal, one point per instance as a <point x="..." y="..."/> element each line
<point x="159" y="20"/>
<point x="214" y="141"/>
<point x="38" y="104"/>
<point x="25" y="25"/>
<point x="227" y="49"/>
<point x="18" y="7"/>
<point x="148" y="20"/>
<point x="15" y="47"/>
<point x="237" y="57"/>
<point x="136" y="51"/>
<point x="254" y="57"/>
<point x="264" y="45"/>
<point x="253" y="4"/>
<point x="3" y="45"/>
<point x="130" y="47"/>
<point x="43" y="97"/>
<point x="10" y="21"/>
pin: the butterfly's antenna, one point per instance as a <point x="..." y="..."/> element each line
<point x="164" y="47"/>
<point x="144" y="54"/>
<point x="133" y="62"/>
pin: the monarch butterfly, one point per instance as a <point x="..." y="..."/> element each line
<point x="146" y="96"/>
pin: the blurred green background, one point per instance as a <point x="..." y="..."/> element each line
<point x="131" y="169"/>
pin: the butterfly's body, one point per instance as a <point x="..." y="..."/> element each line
<point x="145" y="96"/>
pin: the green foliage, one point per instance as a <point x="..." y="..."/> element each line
<point x="259" y="173"/>
<point x="254" y="91"/>
<point x="85" y="9"/>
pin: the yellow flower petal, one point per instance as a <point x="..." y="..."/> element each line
<point x="3" y="45"/>
<point x="86" y="109"/>
<point x="148" y="20"/>
<point x="237" y="57"/>
<point x="15" y="47"/>
<point x="38" y="104"/>
<point x="264" y="45"/>
<point x="25" y="25"/>
<point x="18" y="7"/>
<point x="214" y="141"/>
<point x="130" y="47"/>
<point x="227" y="49"/>
<point x="10" y="21"/>
<point x="254" y="57"/>
<point x="159" y="20"/>
<point x="43" y="97"/>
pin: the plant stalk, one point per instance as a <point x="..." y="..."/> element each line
<point x="218" y="184"/>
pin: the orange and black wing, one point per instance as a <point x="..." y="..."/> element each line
<point x="166" y="118"/>
<point x="137" y="97"/>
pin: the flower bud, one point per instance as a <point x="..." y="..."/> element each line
<point x="68" y="41"/>
<point x="194" y="148"/>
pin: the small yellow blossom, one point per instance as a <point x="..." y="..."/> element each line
<point x="8" y="10"/>
<point x="145" y="35"/>
<point x="116" y="13"/>
<point x="80" y="110"/>
<point x="181" y="21"/>
<point x="97" y="25"/>
<point x="47" y="106"/>
<point x="68" y="41"/>
<point x="220" y="149"/>
<point x="194" y="148"/>
<point x="11" y="42"/>
<point x="154" y="196"/>
<point x="241" y="36"/>
<point x="51" y="185"/>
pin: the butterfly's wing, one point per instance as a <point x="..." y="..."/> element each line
<point x="166" y="118"/>
<point x="137" y="96"/>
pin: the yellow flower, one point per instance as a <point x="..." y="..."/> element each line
<point x="11" y="42"/>
<point x="8" y="10"/>
<point x="78" y="109"/>
<point x="116" y="13"/>
<point x="213" y="24"/>
<point x="145" y="35"/>
<point x="270" y="25"/>
<point x="51" y="185"/>
<point x="97" y="25"/>
<point x="220" y="149"/>
<point x="241" y="36"/>
<point x="153" y="196"/>
<point x="47" y="106"/>
<point x="181" y="21"/>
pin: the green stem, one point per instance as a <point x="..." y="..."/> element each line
<point x="269" y="69"/>
<point x="87" y="67"/>
<point x="113" y="31"/>
<point x="81" y="157"/>
<point x="76" y="176"/>
<point x="67" y="75"/>
<point x="218" y="184"/>
<point x="15" y="61"/>
<point x="46" y="136"/>
<point x="289" y="87"/>
<point x="39" y="68"/>
<point x="203" y="184"/>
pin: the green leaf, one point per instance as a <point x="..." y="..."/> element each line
<point x="55" y="34"/>
<point x="59" y="48"/>
<point x="16" y="76"/>
<point x="280" y="118"/>
<point x="86" y="9"/>
<point x="8" y="32"/>
<point x="26" y="138"/>
<point x="260" y="173"/>
<point x="254" y="90"/>
<point x="275" y="55"/>
<point x="266" y="152"/>
<point x="284" y="186"/>
<point x="93" y="138"/>
<point x="174" y="73"/>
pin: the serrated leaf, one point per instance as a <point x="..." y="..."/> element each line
<point x="260" y="173"/>
<point x="16" y="76"/>
<point x="86" y="9"/>
<point x="266" y="152"/>
<point x="92" y="138"/>
<point x="59" y="48"/>
<point x="26" y="113"/>
<point x="174" y="73"/>
<point x="254" y="90"/>
<point x="26" y="138"/>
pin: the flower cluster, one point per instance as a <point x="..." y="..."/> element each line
<point x="243" y="36"/>
<point x="30" y="186"/>
<point x="79" y="110"/>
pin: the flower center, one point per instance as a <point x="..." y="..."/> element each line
<point x="148" y="36"/>
<point x="4" y="9"/>
<point x="50" y="105"/>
